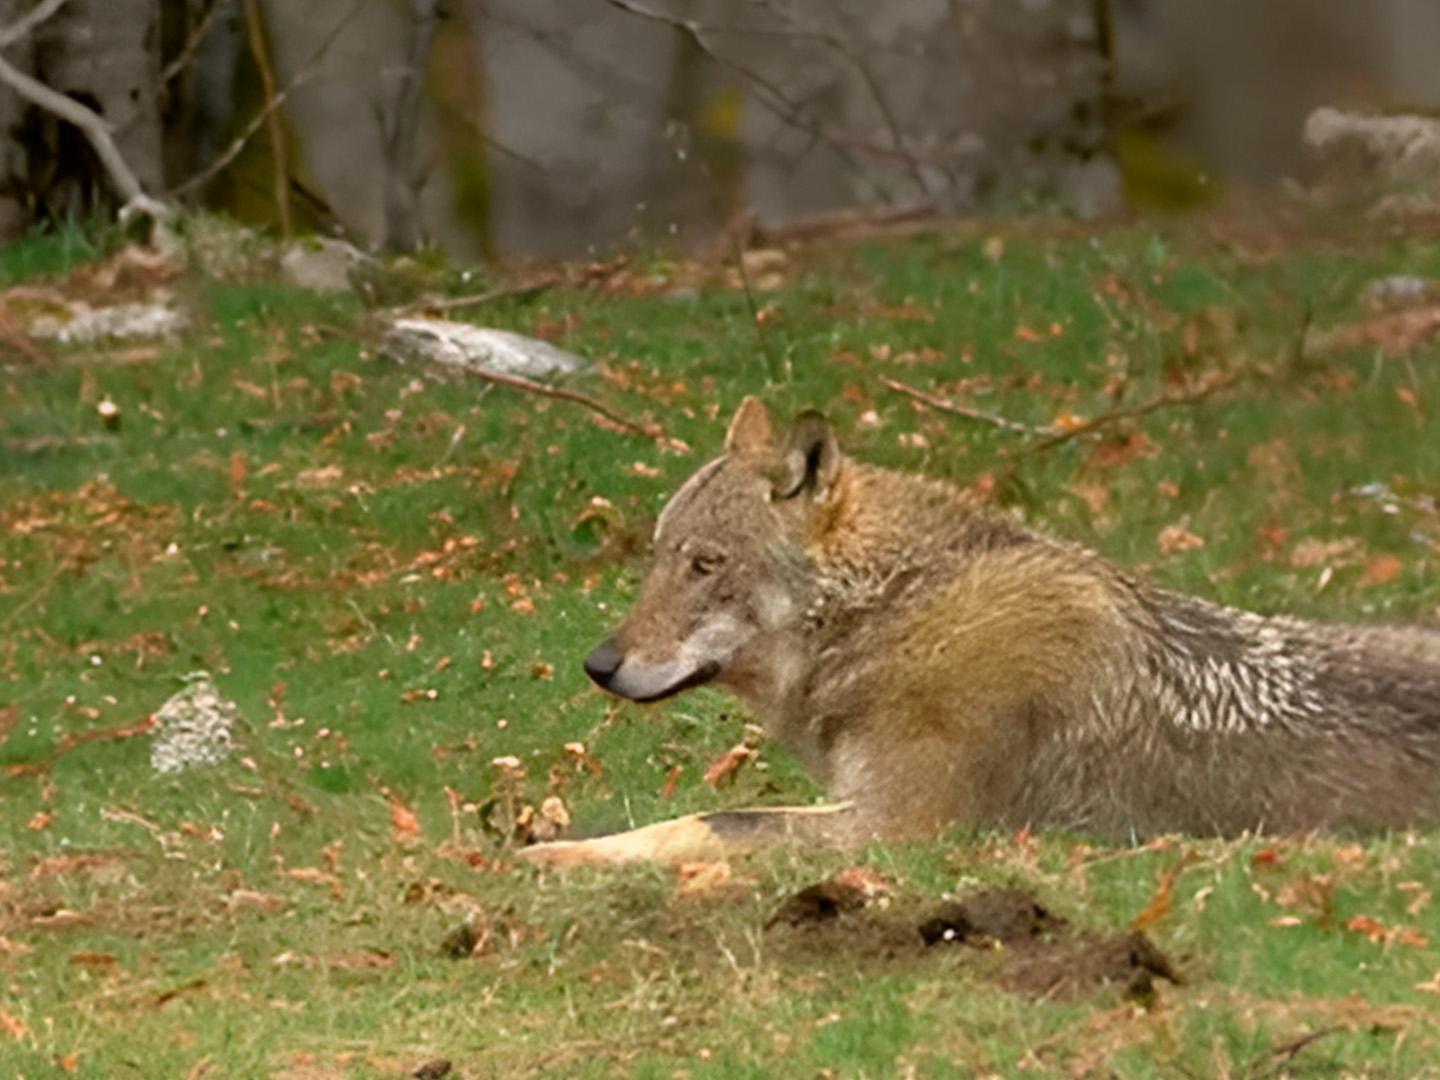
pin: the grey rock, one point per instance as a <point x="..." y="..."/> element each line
<point x="321" y="264"/>
<point x="463" y="347"/>
<point x="80" y="324"/>
<point x="1388" y="149"/>
<point x="193" y="728"/>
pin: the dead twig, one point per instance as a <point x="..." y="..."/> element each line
<point x="255" y="26"/>
<point x="868" y="77"/>
<point x="35" y="597"/>
<point x="769" y="95"/>
<point x="1285" y="1053"/>
<point x="72" y="741"/>
<point x="593" y="274"/>
<point x="978" y="415"/>
<point x="755" y="320"/>
<point x="231" y="152"/>
<point x="525" y="289"/>
<point x="272" y="102"/>
<point x="27" y="22"/>
<point x="192" y="43"/>
<point x="516" y="382"/>
<point x="1114" y="416"/>
<point x="1050" y="436"/>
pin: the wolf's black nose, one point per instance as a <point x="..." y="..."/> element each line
<point x="604" y="660"/>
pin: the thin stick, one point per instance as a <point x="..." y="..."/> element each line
<point x="767" y="92"/>
<point x="232" y="151"/>
<point x="1164" y="401"/>
<point x="1287" y="1052"/>
<point x="500" y="292"/>
<point x="261" y="51"/>
<point x="23" y="25"/>
<point x="978" y="415"/>
<point x="516" y="382"/>
<point x="35" y="597"/>
<point x="192" y="43"/>
<point x="242" y="140"/>
<point x="867" y="76"/>
<point x="755" y="320"/>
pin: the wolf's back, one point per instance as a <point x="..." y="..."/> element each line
<point x="1103" y="704"/>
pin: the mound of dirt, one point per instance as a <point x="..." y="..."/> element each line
<point x="1005" y="935"/>
<point x="819" y="903"/>
<point x="1006" y="916"/>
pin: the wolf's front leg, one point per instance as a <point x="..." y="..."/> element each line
<point x="707" y="836"/>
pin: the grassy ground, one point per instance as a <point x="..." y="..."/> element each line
<point x="395" y="579"/>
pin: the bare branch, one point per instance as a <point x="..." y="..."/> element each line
<point x="187" y="53"/>
<point x="500" y="292"/>
<point x="272" y="103"/>
<point x="240" y="141"/>
<point x="872" y="84"/>
<point x="649" y="431"/>
<point x="1164" y="401"/>
<point x="87" y="120"/>
<point x="978" y="415"/>
<point x="22" y="26"/>
<point x="766" y="92"/>
<point x="1051" y="436"/>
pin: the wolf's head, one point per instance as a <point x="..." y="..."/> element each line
<point x="729" y="585"/>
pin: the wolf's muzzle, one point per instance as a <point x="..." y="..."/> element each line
<point x="603" y="662"/>
<point x="643" y="682"/>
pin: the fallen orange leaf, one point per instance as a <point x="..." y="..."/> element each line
<point x="1163" y="898"/>
<point x="725" y="767"/>
<point x="1382" y="570"/>
<point x="1372" y="928"/>
<point x="403" y="823"/>
<point x="1177" y="538"/>
<point x="672" y="782"/>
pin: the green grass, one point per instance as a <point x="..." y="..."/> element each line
<point x="332" y="538"/>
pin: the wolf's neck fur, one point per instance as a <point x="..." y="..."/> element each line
<point x="860" y="559"/>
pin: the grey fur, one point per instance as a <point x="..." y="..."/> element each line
<point x="934" y="662"/>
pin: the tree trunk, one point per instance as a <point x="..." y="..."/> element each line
<point x="106" y="53"/>
<point x="15" y="200"/>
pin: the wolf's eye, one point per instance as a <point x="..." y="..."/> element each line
<point x="706" y="563"/>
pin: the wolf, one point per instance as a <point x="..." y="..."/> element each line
<point x="933" y="662"/>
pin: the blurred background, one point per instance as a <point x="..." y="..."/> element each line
<point x="545" y="128"/>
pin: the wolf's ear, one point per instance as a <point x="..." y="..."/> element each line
<point x="751" y="435"/>
<point x="811" y="458"/>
